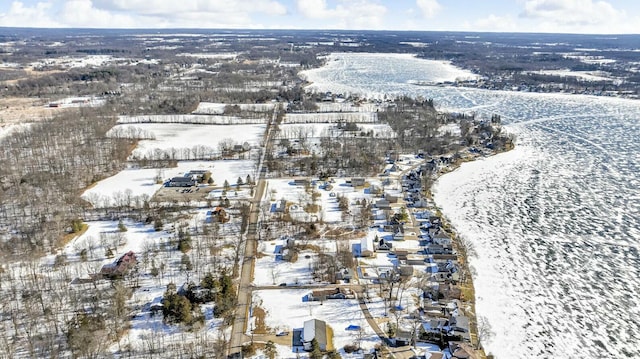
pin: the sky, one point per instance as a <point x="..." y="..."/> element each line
<point x="560" y="16"/>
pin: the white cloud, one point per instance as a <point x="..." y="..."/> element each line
<point x="429" y="8"/>
<point x="141" y="13"/>
<point x="575" y="15"/>
<point x="347" y="14"/>
<point x="38" y="15"/>
<point x="82" y="13"/>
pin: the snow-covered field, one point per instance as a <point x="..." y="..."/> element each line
<point x="186" y="141"/>
<point x="553" y="222"/>
<point x="142" y="183"/>
<point x="202" y="119"/>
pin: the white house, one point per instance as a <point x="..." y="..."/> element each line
<point x="317" y="329"/>
<point x="366" y="247"/>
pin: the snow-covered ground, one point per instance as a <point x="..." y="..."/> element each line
<point x="213" y="108"/>
<point x="583" y="75"/>
<point x="192" y="119"/>
<point x="181" y="140"/>
<point x="150" y="246"/>
<point x="272" y="270"/>
<point x="279" y="189"/>
<point x="7" y="130"/>
<point x="78" y="102"/>
<point x="142" y="183"/>
<point x="331" y="117"/>
<point x="316" y="130"/>
<point x="286" y="310"/>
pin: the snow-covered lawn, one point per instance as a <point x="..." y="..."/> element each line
<point x="278" y="189"/>
<point x="286" y="310"/>
<point x="141" y="183"/>
<point x="272" y="270"/>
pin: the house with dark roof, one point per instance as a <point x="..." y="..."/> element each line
<point x="181" y="181"/>
<point x="314" y="329"/>
<point x="120" y="267"/>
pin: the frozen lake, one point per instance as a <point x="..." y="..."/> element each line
<point x="555" y="222"/>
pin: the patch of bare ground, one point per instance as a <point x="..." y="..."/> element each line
<point x="260" y="326"/>
<point x="15" y="110"/>
<point x="64" y="240"/>
<point x="344" y="232"/>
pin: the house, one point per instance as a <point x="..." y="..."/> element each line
<point x="435" y="325"/>
<point x="288" y="252"/>
<point x="314" y="329"/>
<point x="459" y="324"/>
<point x="403" y="337"/>
<point x="280" y="206"/>
<point x="181" y="181"/>
<point x="383" y="204"/>
<point x="437" y="249"/>
<point x="366" y="247"/>
<point x="120" y="267"/>
<point x="218" y="214"/>
<point x="391" y="198"/>
<point x="335" y="293"/>
<point x="344" y="274"/>
<point x="401" y="254"/>
<point x="242" y="148"/>
<point x="459" y="350"/>
<point x="357" y="182"/>
<point x="441" y="238"/>
<point x="302" y="182"/>
<point x="384" y="245"/>
<point x="405" y="271"/>
<point x="415" y="259"/>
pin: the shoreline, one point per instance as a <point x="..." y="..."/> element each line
<point x="463" y="248"/>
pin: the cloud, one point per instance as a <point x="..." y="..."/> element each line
<point x="429" y="8"/>
<point x="567" y="14"/>
<point x="347" y="14"/>
<point x="141" y="13"/>
<point x="38" y="15"/>
<point x="82" y="13"/>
